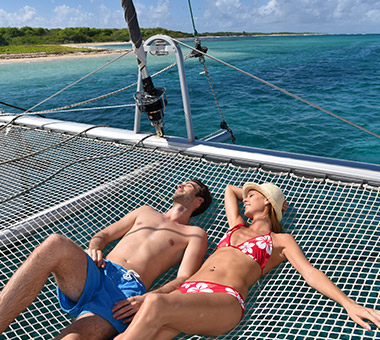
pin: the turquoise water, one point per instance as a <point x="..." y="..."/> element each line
<point x="339" y="73"/>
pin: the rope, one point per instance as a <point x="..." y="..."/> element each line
<point x="89" y="100"/>
<point x="280" y="89"/>
<point x="84" y="77"/>
<point x="316" y="207"/>
<point x="51" y="146"/>
<point x="211" y="134"/>
<point x="94" y="108"/>
<point x="198" y="47"/>
<point x="223" y="124"/>
<point x="12" y="121"/>
<point x="170" y="66"/>
<point x="73" y="163"/>
<point x="105" y="95"/>
<point x="72" y="84"/>
<point x="65" y="108"/>
<point x="202" y="61"/>
<point x="15" y="107"/>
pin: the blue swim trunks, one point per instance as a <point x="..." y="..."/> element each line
<point x="103" y="288"/>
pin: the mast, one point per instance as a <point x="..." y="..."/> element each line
<point x="151" y="100"/>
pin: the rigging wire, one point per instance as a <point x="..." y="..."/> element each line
<point x="17" y="107"/>
<point x="223" y="124"/>
<point x="65" y="108"/>
<point x="84" y="77"/>
<point x="198" y="52"/>
<point x="91" y="108"/>
<point x="60" y="91"/>
<point x="279" y="89"/>
<point x="194" y="53"/>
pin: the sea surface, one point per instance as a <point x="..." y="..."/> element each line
<point x="340" y="73"/>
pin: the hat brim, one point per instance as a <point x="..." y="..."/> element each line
<point x="251" y="186"/>
<point x="254" y="186"/>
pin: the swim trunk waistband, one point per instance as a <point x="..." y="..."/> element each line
<point x="210" y="287"/>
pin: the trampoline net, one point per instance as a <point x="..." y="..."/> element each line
<point x="81" y="186"/>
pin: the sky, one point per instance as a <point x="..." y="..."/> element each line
<point x="321" y="16"/>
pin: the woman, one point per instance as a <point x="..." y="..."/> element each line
<point x="243" y="255"/>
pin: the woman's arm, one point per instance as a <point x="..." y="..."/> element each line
<point x="232" y="196"/>
<point x="319" y="281"/>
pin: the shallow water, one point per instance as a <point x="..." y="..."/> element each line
<point x="339" y="73"/>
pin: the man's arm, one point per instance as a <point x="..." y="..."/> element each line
<point x="191" y="261"/>
<point x="111" y="233"/>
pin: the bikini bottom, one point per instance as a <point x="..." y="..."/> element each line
<point x="210" y="287"/>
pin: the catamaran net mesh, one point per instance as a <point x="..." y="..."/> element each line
<point x="83" y="185"/>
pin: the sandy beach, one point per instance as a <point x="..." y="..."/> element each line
<point x="96" y="51"/>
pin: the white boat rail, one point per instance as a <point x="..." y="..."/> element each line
<point x="309" y="165"/>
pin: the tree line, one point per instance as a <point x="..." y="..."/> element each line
<point x="37" y="35"/>
<point x="32" y="35"/>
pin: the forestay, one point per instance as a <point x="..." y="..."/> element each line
<point x="84" y="184"/>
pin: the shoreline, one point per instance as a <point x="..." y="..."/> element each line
<point x="97" y="51"/>
<point x="38" y="57"/>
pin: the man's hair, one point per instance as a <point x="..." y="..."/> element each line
<point x="205" y="194"/>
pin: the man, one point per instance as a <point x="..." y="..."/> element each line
<point x="89" y="286"/>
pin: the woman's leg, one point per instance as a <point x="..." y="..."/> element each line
<point x="164" y="333"/>
<point x="208" y="314"/>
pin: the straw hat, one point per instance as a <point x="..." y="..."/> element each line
<point x="272" y="192"/>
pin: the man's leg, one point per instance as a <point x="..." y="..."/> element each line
<point x="88" y="326"/>
<point x="57" y="255"/>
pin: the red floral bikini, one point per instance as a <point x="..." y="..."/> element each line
<point x="258" y="248"/>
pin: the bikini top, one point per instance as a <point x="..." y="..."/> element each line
<point x="258" y="248"/>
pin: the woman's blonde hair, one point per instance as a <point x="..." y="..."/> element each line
<point x="276" y="225"/>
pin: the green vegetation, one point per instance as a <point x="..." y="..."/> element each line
<point x="42" y="40"/>
<point x="48" y="49"/>
<point x="31" y="36"/>
<point x="10" y="36"/>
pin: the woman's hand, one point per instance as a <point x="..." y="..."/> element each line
<point x="126" y="309"/>
<point x="359" y="313"/>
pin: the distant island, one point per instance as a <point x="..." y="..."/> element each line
<point x="35" y="42"/>
<point x="74" y="35"/>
